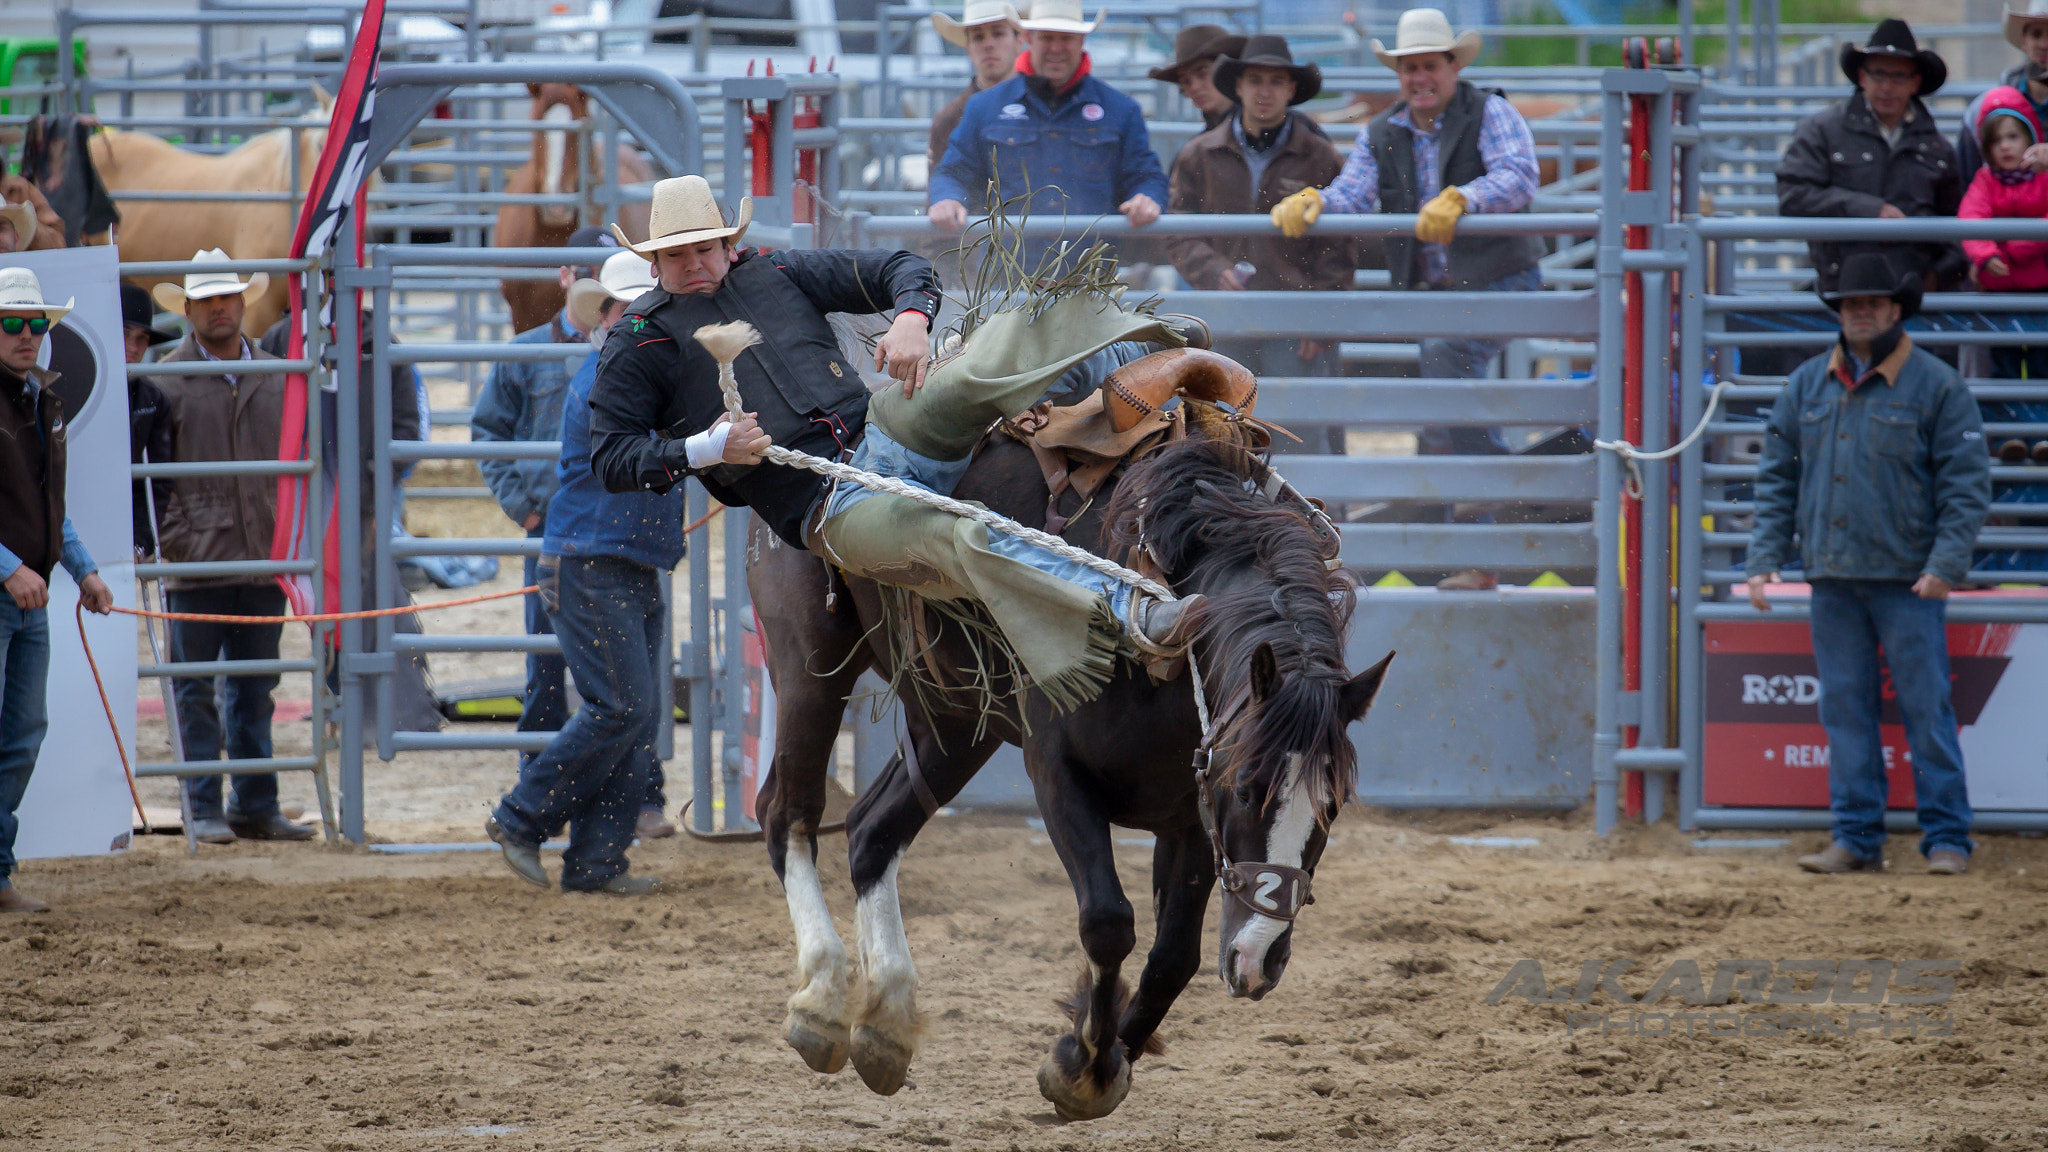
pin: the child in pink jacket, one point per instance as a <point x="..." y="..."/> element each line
<point x="2007" y="187"/>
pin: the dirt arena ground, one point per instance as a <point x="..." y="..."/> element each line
<point x="304" y="997"/>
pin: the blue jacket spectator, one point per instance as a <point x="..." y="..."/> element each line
<point x="585" y="520"/>
<point x="522" y="400"/>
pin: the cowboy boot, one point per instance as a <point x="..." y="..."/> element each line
<point x="1165" y="628"/>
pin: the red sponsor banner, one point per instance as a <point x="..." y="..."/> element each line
<point x="1764" y="744"/>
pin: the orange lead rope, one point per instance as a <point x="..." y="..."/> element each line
<point x="114" y="726"/>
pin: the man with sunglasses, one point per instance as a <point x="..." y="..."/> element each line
<point x="35" y="536"/>
<point x="1879" y="154"/>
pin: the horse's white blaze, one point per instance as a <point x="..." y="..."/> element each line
<point x="555" y="144"/>
<point x="1286" y="841"/>
<point x="885" y="958"/>
<point x="820" y="954"/>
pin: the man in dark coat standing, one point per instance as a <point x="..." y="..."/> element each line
<point x="1878" y="154"/>
<point x="987" y="31"/>
<point x="1195" y="52"/>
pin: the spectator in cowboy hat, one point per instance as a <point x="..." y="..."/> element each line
<point x="1875" y="461"/>
<point x="987" y="31"/>
<point x="35" y="536"/>
<point x="1195" y="52"/>
<point x="17" y="227"/>
<point x="149" y="424"/>
<point x="1063" y="142"/>
<point x="1444" y="150"/>
<point x="600" y="774"/>
<point x="1879" y="154"/>
<point x="1260" y="155"/>
<point x="211" y="519"/>
<point x="2027" y="30"/>
<point x="522" y="400"/>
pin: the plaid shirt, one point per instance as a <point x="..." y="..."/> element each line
<point x="1505" y="145"/>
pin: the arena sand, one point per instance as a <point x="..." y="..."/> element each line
<point x="305" y="997"/>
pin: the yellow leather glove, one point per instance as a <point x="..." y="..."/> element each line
<point x="1437" y="223"/>
<point x="1293" y="215"/>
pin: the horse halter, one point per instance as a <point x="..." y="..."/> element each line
<point x="1275" y="890"/>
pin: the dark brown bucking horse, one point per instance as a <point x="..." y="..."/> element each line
<point x="1208" y="512"/>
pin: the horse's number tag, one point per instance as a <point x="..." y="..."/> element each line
<point x="1263" y="895"/>
<point x="1274" y="890"/>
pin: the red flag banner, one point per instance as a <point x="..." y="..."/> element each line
<point x="336" y="187"/>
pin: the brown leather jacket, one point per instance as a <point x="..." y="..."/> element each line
<point x="1210" y="175"/>
<point x="214" y="518"/>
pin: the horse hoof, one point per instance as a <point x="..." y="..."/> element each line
<point x="883" y="1064"/>
<point x="820" y="1042"/>
<point x="1072" y="1100"/>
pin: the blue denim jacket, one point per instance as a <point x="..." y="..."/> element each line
<point x="1887" y="481"/>
<point x="523" y="401"/>
<point x="1083" y="159"/>
<point x="586" y="520"/>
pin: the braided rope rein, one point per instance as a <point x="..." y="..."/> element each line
<point x="725" y="342"/>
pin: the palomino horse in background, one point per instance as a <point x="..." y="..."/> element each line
<point x="557" y="165"/>
<point x="174" y="230"/>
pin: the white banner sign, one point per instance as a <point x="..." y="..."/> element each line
<point x="77" y="802"/>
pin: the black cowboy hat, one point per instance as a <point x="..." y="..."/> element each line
<point x="1196" y="43"/>
<point x="137" y="309"/>
<point x="1267" y="52"/>
<point x="1894" y="39"/>
<point x="1870" y="274"/>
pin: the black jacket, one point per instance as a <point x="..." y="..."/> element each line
<point x="656" y="385"/>
<point x="1475" y="261"/>
<point x="1839" y="165"/>
<point x="149" y="430"/>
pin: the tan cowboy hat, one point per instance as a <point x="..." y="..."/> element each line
<point x="977" y="12"/>
<point x="2016" y="19"/>
<point x="20" y="291"/>
<point x="1059" y="16"/>
<point x="685" y="213"/>
<point x="206" y="285"/>
<point x="1427" y="30"/>
<point x="624" y="277"/>
<point x="23" y="216"/>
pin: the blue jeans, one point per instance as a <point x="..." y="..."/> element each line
<point x="546" y="705"/>
<point x="1469" y="359"/>
<point x="594" y="776"/>
<point x="246" y="698"/>
<point x="1852" y="619"/>
<point x="24" y="718"/>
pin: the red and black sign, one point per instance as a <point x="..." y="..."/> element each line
<point x="1765" y="746"/>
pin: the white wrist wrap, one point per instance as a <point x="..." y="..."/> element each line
<point x="707" y="447"/>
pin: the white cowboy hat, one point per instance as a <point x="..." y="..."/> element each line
<point x="1427" y="30"/>
<point x="1059" y="16"/>
<point x="206" y="285"/>
<point x="685" y="213"/>
<point x="2017" y="18"/>
<point x="977" y="13"/>
<point x="20" y="291"/>
<point x="624" y="277"/>
<point x="23" y="216"/>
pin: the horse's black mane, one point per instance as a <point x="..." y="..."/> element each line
<point x="1197" y="507"/>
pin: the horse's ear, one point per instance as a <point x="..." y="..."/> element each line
<point x="1265" y="672"/>
<point x="1356" y="697"/>
<point x="533" y="89"/>
<point x="322" y="98"/>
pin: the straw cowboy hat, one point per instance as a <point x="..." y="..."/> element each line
<point x="1870" y="274"/>
<point x="206" y="285"/>
<point x="1894" y="39"/>
<point x="623" y="278"/>
<point x="20" y="291"/>
<point x="1427" y="30"/>
<point x="977" y="13"/>
<point x="23" y="217"/>
<point x="685" y="213"/>
<point x="1267" y="52"/>
<point x="1201" y="42"/>
<point x="2035" y="12"/>
<point x="1059" y="16"/>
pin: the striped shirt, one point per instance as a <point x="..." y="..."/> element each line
<point x="1505" y="145"/>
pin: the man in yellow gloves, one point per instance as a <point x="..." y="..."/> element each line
<point x="1444" y="150"/>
